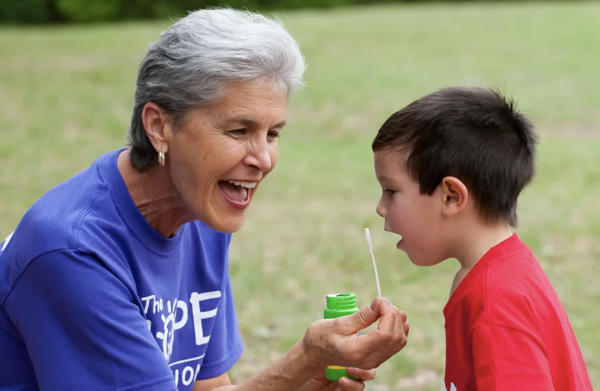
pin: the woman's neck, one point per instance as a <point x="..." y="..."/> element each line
<point x="155" y="196"/>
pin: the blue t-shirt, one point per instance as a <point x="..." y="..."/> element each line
<point x="93" y="298"/>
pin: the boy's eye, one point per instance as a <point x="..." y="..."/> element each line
<point x="389" y="191"/>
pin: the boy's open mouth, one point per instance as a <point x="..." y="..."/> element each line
<point x="399" y="243"/>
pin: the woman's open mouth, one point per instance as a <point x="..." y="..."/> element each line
<point x="236" y="193"/>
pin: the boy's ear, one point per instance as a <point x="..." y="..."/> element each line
<point x="455" y="195"/>
<point x="157" y="124"/>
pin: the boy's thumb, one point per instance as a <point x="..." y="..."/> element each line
<point x="363" y="318"/>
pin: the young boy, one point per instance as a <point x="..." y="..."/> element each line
<point x="451" y="166"/>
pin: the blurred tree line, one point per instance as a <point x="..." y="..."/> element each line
<point x="83" y="11"/>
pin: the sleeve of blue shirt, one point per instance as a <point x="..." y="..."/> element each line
<point x="82" y="328"/>
<point x="225" y="346"/>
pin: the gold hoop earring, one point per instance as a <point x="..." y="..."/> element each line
<point x="161" y="159"/>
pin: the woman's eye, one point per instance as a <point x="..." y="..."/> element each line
<point x="238" y="132"/>
<point x="273" y="135"/>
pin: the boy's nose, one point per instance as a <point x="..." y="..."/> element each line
<point x="381" y="209"/>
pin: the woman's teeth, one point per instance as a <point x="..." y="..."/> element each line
<point x="248" y="185"/>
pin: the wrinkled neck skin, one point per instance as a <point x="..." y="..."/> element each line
<point x="473" y="242"/>
<point x="155" y="196"/>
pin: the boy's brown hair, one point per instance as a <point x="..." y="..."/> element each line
<point x="474" y="134"/>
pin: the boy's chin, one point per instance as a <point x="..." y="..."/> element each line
<point x="420" y="259"/>
<point x="424" y="262"/>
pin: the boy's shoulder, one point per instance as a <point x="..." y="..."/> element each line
<point x="505" y="270"/>
<point x="514" y="271"/>
<point x="512" y="267"/>
<point x="517" y="292"/>
<point x="507" y="287"/>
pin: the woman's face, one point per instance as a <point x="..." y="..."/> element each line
<point x="221" y="153"/>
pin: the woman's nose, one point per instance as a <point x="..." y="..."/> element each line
<point x="259" y="156"/>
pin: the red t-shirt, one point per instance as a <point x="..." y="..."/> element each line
<point x="507" y="330"/>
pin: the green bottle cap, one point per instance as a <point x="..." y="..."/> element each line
<point x="340" y="304"/>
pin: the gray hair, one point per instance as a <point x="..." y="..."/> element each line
<point x="194" y="59"/>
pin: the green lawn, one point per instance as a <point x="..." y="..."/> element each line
<point x="67" y="94"/>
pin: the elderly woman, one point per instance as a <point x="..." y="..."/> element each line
<point x="117" y="279"/>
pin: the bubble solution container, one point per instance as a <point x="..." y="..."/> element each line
<point x="338" y="305"/>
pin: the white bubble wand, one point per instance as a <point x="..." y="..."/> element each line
<point x="370" y="243"/>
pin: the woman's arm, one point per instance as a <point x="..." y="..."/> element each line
<point x="219" y="383"/>
<point x="327" y="342"/>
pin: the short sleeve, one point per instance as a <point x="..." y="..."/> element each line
<point x="225" y="346"/>
<point x="506" y="359"/>
<point x="83" y="329"/>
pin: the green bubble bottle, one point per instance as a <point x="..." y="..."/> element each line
<point x="338" y="305"/>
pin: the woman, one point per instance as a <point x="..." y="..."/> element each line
<point x="117" y="278"/>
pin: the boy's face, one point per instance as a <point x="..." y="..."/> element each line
<point x="416" y="217"/>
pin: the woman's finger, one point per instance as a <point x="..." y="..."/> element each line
<point x="388" y="313"/>
<point x="347" y="384"/>
<point x="362" y="374"/>
<point x="399" y="327"/>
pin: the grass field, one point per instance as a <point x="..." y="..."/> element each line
<point x="67" y="94"/>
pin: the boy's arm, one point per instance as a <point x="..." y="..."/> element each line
<point x="508" y="359"/>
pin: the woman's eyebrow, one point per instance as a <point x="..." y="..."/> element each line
<point x="250" y="122"/>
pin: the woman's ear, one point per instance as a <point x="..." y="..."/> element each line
<point x="456" y="196"/>
<point x="157" y="124"/>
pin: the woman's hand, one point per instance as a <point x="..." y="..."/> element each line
<point x="336" y="341"/>
<point x="320" y="383"/>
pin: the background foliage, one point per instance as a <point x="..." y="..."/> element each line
<point x="85" y="11"/>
